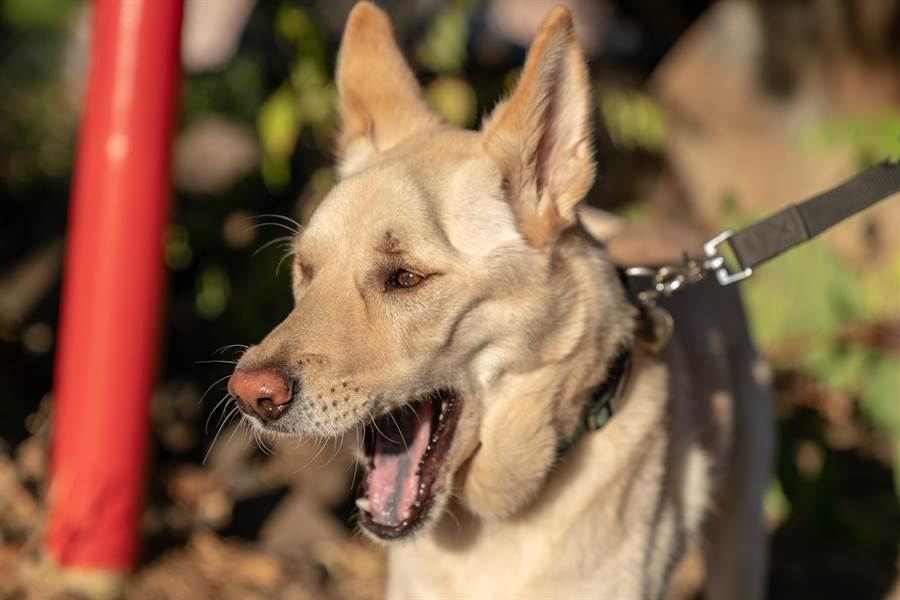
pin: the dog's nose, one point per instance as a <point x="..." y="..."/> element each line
<point x="260" y="392"/>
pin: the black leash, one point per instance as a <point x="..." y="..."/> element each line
<point x="768" y="238"/>
<point x="798" y="223"/>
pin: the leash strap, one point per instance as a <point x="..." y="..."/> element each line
<point x="768" y="238"/>
<point x="798" y="223"/>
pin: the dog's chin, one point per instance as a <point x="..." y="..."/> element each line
<point x="407" y="474"/>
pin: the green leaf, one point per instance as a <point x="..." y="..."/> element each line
<point x="36" y="15"/>
<point x="278" y="127"/>
<point x="633" y="120"/>
<point x="213" y="291"/>
<point x="454" y="99"/>
<point x="443" y="49"/>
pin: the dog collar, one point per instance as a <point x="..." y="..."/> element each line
<point x="599" y="409"/>
<point x="653" y="328"/>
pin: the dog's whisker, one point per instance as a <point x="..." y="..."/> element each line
<point x="316" y="450"/>
<point x="253" y="435"/>
<point x="246" y="438"/>
<point x="270" y="443"/>
<point x="415" y="413"/>
<point x="217" y="361"/>
<point x="378" y="429"/>
<point x="400" y="431"/>
<point x="222" y="424"/>
<point x="272" y="242"/>
<point x="221" y="401"/>
<point x="259" y="437"/>
<point x="298" y="228"/>
<point x="355" y="458"/>
<point x="274" y="224"/>
<point x="244" y="347"/>
<point x="282" y="238"/>
<point x="319" y="451"/>
<point x="261" y="444"/>
<point x="338" y="446"/>
<point x="335" y="445"/>
<point x="235" y="429"/>
<point x="211" y="386"/>
<point x="288" y="254"/>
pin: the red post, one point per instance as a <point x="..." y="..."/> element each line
<point x="112" y="288"/>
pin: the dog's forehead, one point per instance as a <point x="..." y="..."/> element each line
<point x="417" y="197"/>
<point x="380" y="198"/>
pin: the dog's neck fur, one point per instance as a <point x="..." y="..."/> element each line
<point x="584" y="345"/>
<point x="589" y="320"/>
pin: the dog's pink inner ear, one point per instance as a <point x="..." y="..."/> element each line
<point x="540" y="138"/>
<point x="380" y="103"/>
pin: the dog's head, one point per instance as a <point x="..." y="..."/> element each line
<point x="431" y="287"/>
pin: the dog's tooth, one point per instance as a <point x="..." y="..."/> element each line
<point x="363" y="504"/>
<point x="406" y="515"/>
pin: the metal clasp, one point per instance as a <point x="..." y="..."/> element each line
<point x="716" y="263"/>
<point x="667" y="279"/>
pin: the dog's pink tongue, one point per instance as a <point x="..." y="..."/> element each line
<point x="393" y="481"/>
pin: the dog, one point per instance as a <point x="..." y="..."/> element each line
<point x="456" y="305"/>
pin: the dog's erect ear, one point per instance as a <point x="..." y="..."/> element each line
<point x="541" y="137"/>
<point x="380" y="101"/>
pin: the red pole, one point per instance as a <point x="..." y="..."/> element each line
<point x="112" y="288"/>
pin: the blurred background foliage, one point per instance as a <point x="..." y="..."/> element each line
<point x="709" y="114"/>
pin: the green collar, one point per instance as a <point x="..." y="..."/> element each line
<point x="599" y="410"/>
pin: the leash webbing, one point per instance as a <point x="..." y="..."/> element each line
<point x="768" y="238"/>
<point x="801" y="222"/>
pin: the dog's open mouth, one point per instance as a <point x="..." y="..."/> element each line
<point x="405" y="450"/>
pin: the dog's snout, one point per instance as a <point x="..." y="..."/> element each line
<point x="261" y="392"/>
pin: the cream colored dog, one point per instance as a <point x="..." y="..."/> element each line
<point x="452" y="306"/>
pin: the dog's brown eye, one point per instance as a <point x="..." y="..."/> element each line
<point x="405" y="279"/>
